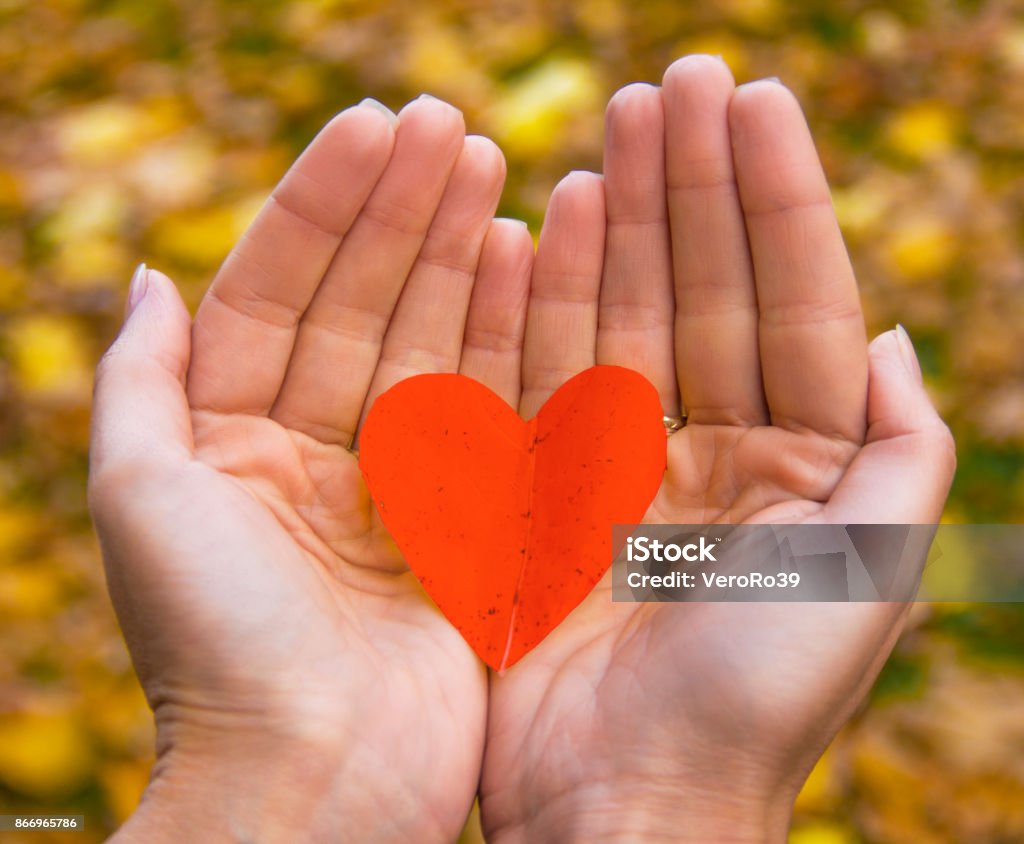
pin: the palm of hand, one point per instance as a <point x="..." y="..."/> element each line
<point x="325" y="600"/>
<point x="732" y="474"/>
<point x="313" y="489"/>
<point x="635" y="696"/>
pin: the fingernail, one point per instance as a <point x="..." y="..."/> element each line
<point x="430" y="98"/>
<point x="137" y="288"/>
<point x="377" y="105"/>
<point x="522" y="223"/>
<point x="907" y="352"/>
<point x="772" y="80"/>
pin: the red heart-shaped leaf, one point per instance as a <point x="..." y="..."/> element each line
<point x="506" y="523"/>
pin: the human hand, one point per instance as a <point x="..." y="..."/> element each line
<point x="300" y="678"/>
<point x="712" y="262"/>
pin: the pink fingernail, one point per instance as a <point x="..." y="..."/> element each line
<point x="522" y="223"/>
<point x="377" y="105"/>
<point x="907" y="352"/>
<point x="137" y="288"/>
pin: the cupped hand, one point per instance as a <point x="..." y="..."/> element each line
<point x="300" y="678"/>
<point x="710" y="260"/>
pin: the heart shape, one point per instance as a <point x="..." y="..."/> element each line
<point x="506" y="523"/>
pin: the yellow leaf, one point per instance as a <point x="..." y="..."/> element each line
<point x="96" y="210"/>
<point x="108" y="131"/>
<point x="760" y="14"/>
<point x="821" y="833"/>
<point x="924" y="130"/>
<point x="297" y="87"/>
<point x="29" y="592"/>
<point x="921" y="249"/>
<point x="531" y="118"/>
<point x="86" y="230"/>
<point x="49" y="356"/>
<point x="91" y="263"/>
<point x="203" y="238"/>
<point x="43" y="755"/>
<point x="102" y="132"/>
<point x="437" y="61"/>
<point x="860" y="208"/>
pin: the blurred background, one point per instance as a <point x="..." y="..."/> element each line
<point x="152" y="130"/>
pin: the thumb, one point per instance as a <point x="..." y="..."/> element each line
<point x="903" y="473"/>
<point x="140" y="411"/>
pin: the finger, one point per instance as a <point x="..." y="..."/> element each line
<point x="493" y="342"/>
<point x="339" y="340"/>
<point x="811" y="334"/>
<point x="426" y="331"/>
<point x="140" y="412"/>
<point x="716" y="301"/>
<point x="246" y="325"/>
<point x="903" y="473"/>
<point x="635" y="319"/>
<point x="561" y="321"/>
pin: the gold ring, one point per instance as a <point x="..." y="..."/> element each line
<point x="673" y="424"/>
